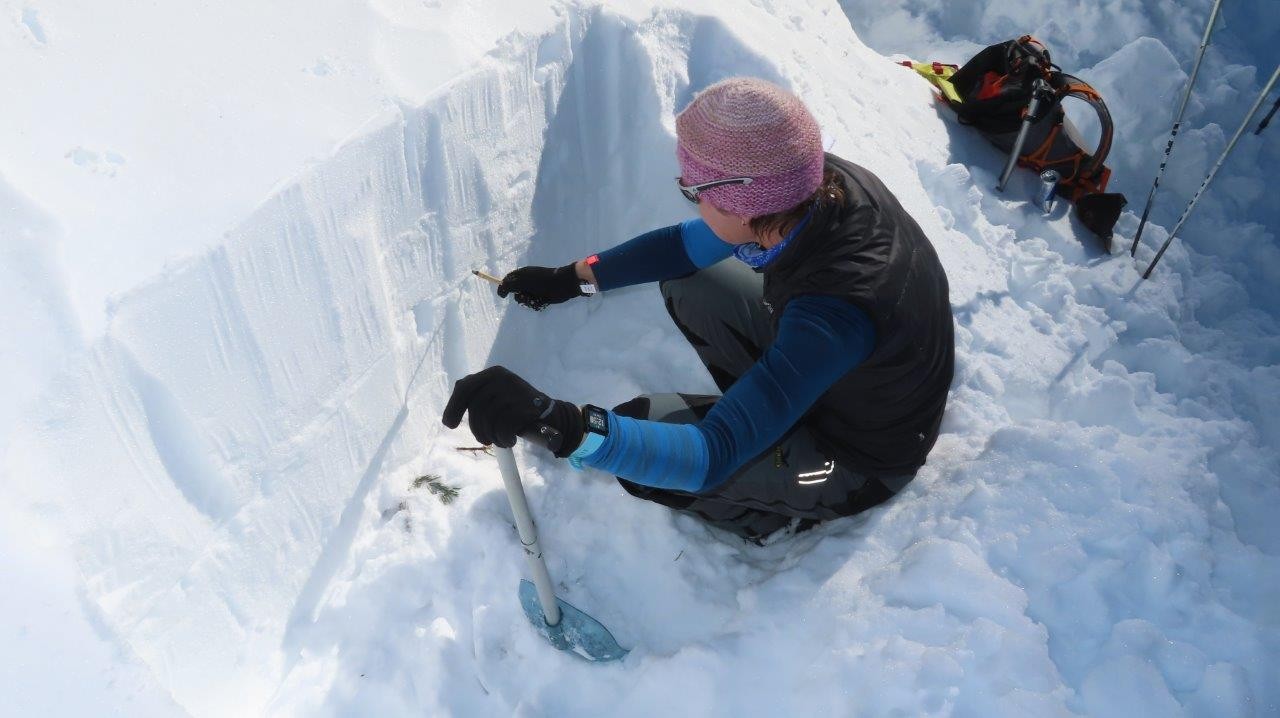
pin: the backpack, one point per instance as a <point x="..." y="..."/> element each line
<point x="992" y="92"/>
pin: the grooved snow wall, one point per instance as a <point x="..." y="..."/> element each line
<point x="218" y="447"/>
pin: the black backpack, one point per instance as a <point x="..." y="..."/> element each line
<point x="992" y="92"/>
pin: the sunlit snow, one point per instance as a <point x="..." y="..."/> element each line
<point x="235" y="288"/>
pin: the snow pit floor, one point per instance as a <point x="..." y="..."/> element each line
<point x="231" y="476"/>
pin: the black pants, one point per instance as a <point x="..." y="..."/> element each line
<point x="720" y="310"/>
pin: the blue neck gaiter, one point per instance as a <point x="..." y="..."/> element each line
<point x="756" y="256"/>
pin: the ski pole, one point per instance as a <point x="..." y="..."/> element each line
<point x="1177" y="123"/>
<point x="528" y="534"/>
<point x="1209" y="177"/>
<point x="1267" y="120"/>
<point x="1038" y="91"/>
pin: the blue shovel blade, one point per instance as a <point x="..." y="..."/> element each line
<point x="577" y="632"/>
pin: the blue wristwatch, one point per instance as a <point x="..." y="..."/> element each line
<point x="597" y="429"/>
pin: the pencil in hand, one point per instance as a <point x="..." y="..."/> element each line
<point x="487" y="277"/>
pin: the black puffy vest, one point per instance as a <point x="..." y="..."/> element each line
<point x="882" y="417"/>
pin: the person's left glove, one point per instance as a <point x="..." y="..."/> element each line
<point x="501" y="407"/>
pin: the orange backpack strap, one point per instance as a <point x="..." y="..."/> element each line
<point x="1071" y="86"/>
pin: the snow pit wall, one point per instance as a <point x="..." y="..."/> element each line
<point x="229" y="425"/>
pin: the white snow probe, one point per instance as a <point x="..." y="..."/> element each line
<point x="558" y="621"/>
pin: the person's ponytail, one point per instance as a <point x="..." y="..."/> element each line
<point x="829" y="194"/>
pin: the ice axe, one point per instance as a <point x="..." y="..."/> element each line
<point x="1041" y="94"/>
<point x="566" y="627"/>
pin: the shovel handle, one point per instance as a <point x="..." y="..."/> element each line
<point x="528" y="534"/>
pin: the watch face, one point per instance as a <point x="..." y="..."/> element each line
<point x="597" y="421"/>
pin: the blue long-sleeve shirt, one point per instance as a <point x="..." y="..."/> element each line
<point x="819" y="340"/>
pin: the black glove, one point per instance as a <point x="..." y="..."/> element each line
<point x="536" y="287"/>
<point x="503" y="406"/>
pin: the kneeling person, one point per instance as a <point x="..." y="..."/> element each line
<point x="831" y="338"/>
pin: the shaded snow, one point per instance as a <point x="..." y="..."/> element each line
<point x="231" y="466"/>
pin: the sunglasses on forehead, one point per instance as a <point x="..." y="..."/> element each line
<point x="691" y="192"/>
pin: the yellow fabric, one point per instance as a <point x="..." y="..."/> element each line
<point x="940" y="81"/>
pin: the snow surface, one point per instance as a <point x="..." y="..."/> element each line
<point x="209" y="500"/>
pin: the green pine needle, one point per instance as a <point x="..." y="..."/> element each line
<point x="437" y="486"/>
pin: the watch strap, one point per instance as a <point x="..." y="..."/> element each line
<point x="590" y="442"/>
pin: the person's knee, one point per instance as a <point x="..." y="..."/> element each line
<point x="675" y="286"/>
<point x="637" y="408"/>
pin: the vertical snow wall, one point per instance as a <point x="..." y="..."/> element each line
<point x="215" y="448"/>
<point x="221" y="437"/>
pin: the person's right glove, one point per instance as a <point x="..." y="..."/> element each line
<point x="537" y="287"/>
<point x="501" y="406"/>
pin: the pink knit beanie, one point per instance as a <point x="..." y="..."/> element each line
<point x="746" y="127"/>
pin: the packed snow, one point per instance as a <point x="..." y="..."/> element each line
<point x="235" y="289"/>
